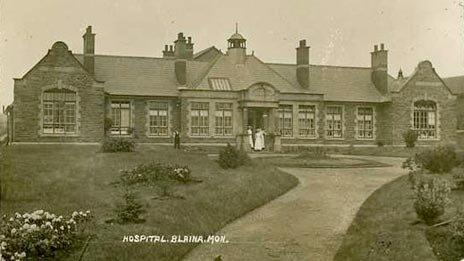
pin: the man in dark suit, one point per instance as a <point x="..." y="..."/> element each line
<point x="176" y="139"/>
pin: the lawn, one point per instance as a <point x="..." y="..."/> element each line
<point x="64" y="178"/>
<point x="328" y="162"/>
<point x="384" y="228"/>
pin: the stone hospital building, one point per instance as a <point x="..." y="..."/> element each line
<point x="211" y="96"/>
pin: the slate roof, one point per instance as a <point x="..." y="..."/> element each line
<point x="127" y="75"/>
<point x="337" y="83"/>
<point x="456" y="84"/>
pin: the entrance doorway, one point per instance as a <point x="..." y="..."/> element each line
<point x="258" y="118"/>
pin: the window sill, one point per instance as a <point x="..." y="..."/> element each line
<point x="328" y="138"/>
<point x="366" y="139"/>
<point x="58" y="135"/>
<point x="159" y="136"/>
<point x="121" y="135"/>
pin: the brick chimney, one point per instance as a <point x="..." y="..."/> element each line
<point x="183" y="51"/>
<point x="89" y="50"/>
<point x="379" y="65"/>
<point x="302" y="64"/>
<point x="168" y="51"/>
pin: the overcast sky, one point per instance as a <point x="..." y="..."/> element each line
<point x="339" y="32"/>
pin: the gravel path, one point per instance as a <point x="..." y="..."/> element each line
<point x="308" y="222"/>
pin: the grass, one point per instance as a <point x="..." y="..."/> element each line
<point x="327" y="162"/>
<point x="384" y="228"/>
<point x="64" y="178"/>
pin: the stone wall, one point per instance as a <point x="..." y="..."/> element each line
<point x="58" y="69"/>
<point x="424" y="85"/>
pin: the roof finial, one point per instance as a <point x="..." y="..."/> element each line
<point x="236" y="28"/>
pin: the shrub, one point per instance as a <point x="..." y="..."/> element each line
<point x="410" y="138"/>
<point x="39" y="234"/>
<point x="438" y="160"/>
<point x="231" y="158"/>
<point x="457" y="227"/>
<point x="458" y="176"/>
<point x="108" y="124"/>
<point x="153" y="172"/>
<point x="118" y="145"/>
<point x="314" y="153"/>
<point x="380" y="143"/>
<point x="130" y="210"/>
<point x="431" y="198"/>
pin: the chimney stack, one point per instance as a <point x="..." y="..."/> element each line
<point x="89" y="50"/>
<point x="379" y="65"/>
<point x="302" y="64"/>
<point x="168" y="53"/>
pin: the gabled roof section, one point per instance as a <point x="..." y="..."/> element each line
<point x="59" y="55"/>
<point x="145" y="76"/>
<point x="400" y="83"/>
<point x="336" y="83"/>
<point x="206" y="54"/>
<point x="242" y="76"/>
<point x="456" y="84"/>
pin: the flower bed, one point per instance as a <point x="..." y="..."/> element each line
<point x="153" y="172"/>
<point x="38" y="234"/>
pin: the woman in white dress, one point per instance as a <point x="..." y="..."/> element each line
<point x="259" y="140"/>
<point x="250" y="136"/>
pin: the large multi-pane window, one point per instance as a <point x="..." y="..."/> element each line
<point x="425" y="119"/>
<point x="121" y="116"/>
<point x="199" y="118"/>
<point x="59" y="111"/>
<point x="365" y="122"/>
<point x="223" y="119"/>
<point x="334" y="121"/>
<point x="285" y="120"/>
<point x="307" y="120"/>
<point x="158" y="118"/>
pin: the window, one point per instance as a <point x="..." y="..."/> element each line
<point x="285" y="120"/>
<point x="121" y="116"/>
<point x="59" y="111"/>
<point x="425" y="119"/>
<point x="158" y="118"/>
<point x="365" y="121"/>
<point x="199" y="115"/>
<point x="223" y="119"/>
<point x="334" y="121"/>
<point x="307" y="120"/>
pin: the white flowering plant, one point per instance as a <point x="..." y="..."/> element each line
<point x="39" y="234"/>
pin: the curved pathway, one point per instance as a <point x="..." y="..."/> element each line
<point x="306" y="223"/>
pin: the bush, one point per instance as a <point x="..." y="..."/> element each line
<point x="431" y="198"/>
<point x="108" y="124"/>
<point x="152" y="173"/>
<point x="458" y="176"/>
<point x="118" y="145"/>
<point x="314" y="153"/>
<point x="231" y="158"/>
<point x="410" y="138"/>
<point x="39" y="234"/>
<point x="438" y="160"/>
<point x="130" y="210"/>
<point x="457" y="227"/>
<point x="380" y="143"/>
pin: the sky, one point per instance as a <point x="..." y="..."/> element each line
<point x="339" y="32"/>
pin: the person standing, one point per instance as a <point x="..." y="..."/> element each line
<point x="259" y="140"/>
<point x="250" y="137"/>
<point x="176" y="139"/>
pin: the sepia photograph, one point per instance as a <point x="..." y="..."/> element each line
<point x="232" y="130"/>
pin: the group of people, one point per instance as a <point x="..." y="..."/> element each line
<point x="256" y="138"/>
